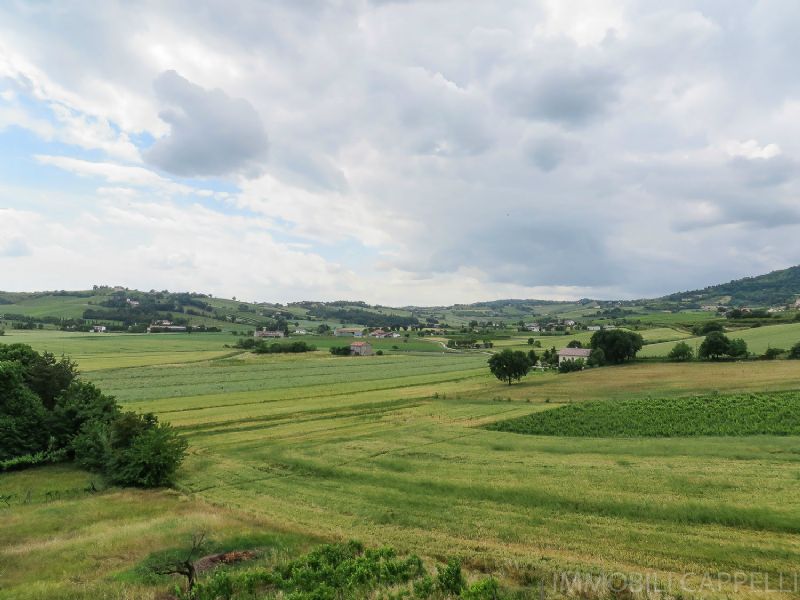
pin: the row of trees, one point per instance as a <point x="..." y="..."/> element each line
<point x="47" y="414"/>
<point x="608" y="347"/>
<point x="717" y="346"/>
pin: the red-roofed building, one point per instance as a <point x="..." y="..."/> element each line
<point x="361" y="348"/>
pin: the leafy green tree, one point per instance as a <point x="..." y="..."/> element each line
<point x="795" y="351"/>
<point x="42" y="373"/>
<point x="574" y="344"/>
<point x="530" y="341"/>
<point x="715" y="346"/>
<point x="23" y="418"/>
<point x="772" y="353"/>
<point x="597" y="358"/>
<point x="509" y="365"/>
<point x="80" y="403"/>
<point x="617" y="345"/>
<point x="737" y="348"/>
<point x="681" y="352"/>
<point x="532" y="357"/>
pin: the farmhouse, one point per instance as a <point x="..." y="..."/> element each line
<point x="378" y="333"/>
<point x="593" y="328"/>
<point x="348" y="331"/>
<point x="573" y="354"/>
<point x="361" y="348"/>
<point x="264" y="333"/>
<point x="533" y="327"/>
<point x="98" y="328"/>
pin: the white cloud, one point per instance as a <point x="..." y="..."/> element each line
<point x="417" y="150"/>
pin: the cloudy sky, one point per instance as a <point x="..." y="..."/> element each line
<point x="398" y="152"/>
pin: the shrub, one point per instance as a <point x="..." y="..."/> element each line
<point x="772" y="353"/>
<point x="568" y="366"/>
<point x="795" y="351"/>
<point x="379" y="352"/>
<point x="681" y="352"/>
<point x="574" y="344"/>
<point x="340" y="350"/>
<point x="151" y="457"/>
<point x="449" y="579"/>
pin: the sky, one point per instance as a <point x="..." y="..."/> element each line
<point x="398" y="152"/>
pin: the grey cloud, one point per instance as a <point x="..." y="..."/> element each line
<point x="211" y="133"/>
<point x="571" y="96"/>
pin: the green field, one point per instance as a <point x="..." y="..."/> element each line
<point x="393" y="450"/>
<point x="758" y="339"/>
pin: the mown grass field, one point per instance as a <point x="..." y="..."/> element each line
<point x="391" y="450"/>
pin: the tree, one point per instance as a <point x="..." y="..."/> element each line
<point x="23" y="418"/>
<point x="597" y="358"/>
<point x="795" y="351"/>
<point x="530" y="341"/>
<point x="510" y="365"/>
<point x="715" y="346"/>
<point x="574" y="344"/>
<point x="617" y="345"/>
<point x="737" y="348"/>
<point x="681" y="352"/>
<point x="532" y="357"/>
<point x="42" y="373"/>
<point x="185" y="566"/>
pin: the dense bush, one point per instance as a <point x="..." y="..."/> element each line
<point x="795" y="351"/>
<point x="346" y="570"/>
<point x="681" y="352"/>
<point x="283" y="347"/>
<point x="569" y="366"/>
<point x="47" y="415"/>
<point x="340" y="350"/>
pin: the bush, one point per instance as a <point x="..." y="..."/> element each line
<point x="794" y="353"/>
<point x="340" y="350"/>
<point x="150" y="458"/>
<point x="681" y="352"/>
<point x="283" y="348"/>
<point x="569" y="366"/>
<point x="772" y="353"/>
<point x="379" y="353"/>
<point x="449" y="579"/>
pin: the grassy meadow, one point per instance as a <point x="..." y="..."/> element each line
<point x="394" y="450"/>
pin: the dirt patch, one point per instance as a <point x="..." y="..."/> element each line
<point x="225" y="558"/>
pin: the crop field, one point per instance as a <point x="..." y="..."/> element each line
<point x="394" y="450"/>
<point x="717" y="414"/>
<point x="758" y="339"/>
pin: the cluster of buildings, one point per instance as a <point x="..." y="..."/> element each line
<point x="165" y="326"/>
<point x="358" y="332"/>
<point x="550" y="326"/>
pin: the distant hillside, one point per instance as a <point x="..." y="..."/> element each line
<point x="773" y="289"/>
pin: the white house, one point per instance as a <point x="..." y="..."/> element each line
<point x="98" y="328"/>
<point x="593" y="328"/>
<point x="573" y="354"/>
